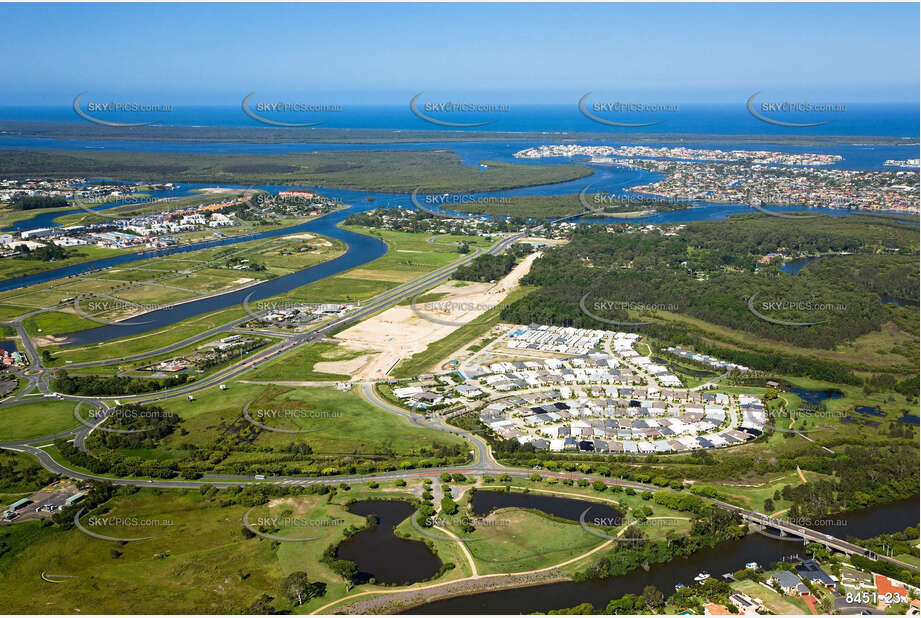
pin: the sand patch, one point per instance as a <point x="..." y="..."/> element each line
<point x="349" y="367"/>
<point x="243" y="280"/>
<point x="300" y="506"/>
<point x="301" y="236"/>
<point x="399" y="332"/>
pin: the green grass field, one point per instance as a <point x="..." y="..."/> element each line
<point x="36" y="417"/>
<point x="511" y="540"/>
<point x="198" y="561"/>
<point x="153" y="340"/>
<point x="298" y="365"/>
<point x="339" y="424"/>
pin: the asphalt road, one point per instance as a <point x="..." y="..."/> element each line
<point x="483" y="460"/>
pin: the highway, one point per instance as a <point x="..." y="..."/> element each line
<point x="38" y="381"/>
<point x="483" y="461"/>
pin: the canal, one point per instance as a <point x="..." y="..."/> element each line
<point x="723" y="558"/>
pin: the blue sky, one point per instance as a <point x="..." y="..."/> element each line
<point x="516" y="53"/>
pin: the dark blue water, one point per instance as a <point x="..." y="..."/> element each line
<point x="725" y="557"/>
<point x="870" y="411"/>
<point x="483" y="502"/>
<point x="880" y="119"/>
<point x="814" y="398"/>
<point x="380" y="554"/>
<point x="856" y="156"/>
<point x="361" y="249"/>
<point x="794" y="266"/>
<point x="9" y="346"/>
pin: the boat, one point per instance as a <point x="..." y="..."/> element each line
<point x="751" y="565"/>
<point x="702" y="576"/>
<point x="678" y="587"/>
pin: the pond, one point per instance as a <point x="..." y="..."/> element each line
<point x="812" y="397"/>
<point x="380" y="554"/>
<point x="723" y="558"/>
<point x="484" y="502"/>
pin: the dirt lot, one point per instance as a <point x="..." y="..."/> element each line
<point x="399" y="332"/>
<point x="54" y="494"/>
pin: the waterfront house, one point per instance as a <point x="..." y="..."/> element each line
<point x="748" y="606"/>
<point x="811" y="572"/>
<point x="888" y="593"/>
<point x="857" y="579"/>
<point x="790" y="583"/>
<point x="716" y="609"/>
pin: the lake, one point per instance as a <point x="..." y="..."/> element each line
<point x="382" y="555"/>
<point x="723" y="558"/>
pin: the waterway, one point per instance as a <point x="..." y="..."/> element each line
<point x="382" y="555"/>
<point x="484" y="502"/>
<point x="361" y="249"/>
<point x="724" y="558"/>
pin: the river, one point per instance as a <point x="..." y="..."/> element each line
<point x="723" y="558"/>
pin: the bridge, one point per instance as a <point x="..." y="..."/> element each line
<point x="790" y="529"/>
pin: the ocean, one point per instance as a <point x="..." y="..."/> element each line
<point x="857" y="119"/>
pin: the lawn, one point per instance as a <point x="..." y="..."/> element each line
<point x="37" y="417"/>
<point x="146" y="342"/>
<point x="777" y="603"/>
<point x="754" y="497"/>
<point x="159" y="282"/>
<point x="198" y="561"/>
<point x="512" y="540"/>
<point x="297" y="365"/>
<point x="337" y="424"/>
<point x="20" y="473"/>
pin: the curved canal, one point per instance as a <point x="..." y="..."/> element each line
<point x="724" y="558"/>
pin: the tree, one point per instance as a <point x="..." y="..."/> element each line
<point x="348" y="571"/>
<point x="262" y="605"/>
<point x="295" y="587"/>
<point x="448" y="506"/>
<point x="768" y="506"/>
<point x="653" y="597"/>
